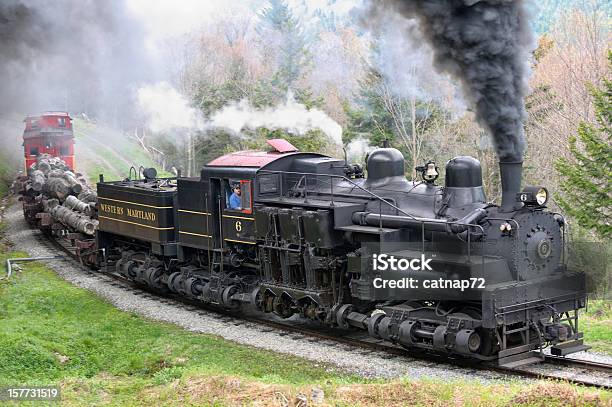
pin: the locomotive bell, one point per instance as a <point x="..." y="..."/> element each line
<point x="429" y="172"/>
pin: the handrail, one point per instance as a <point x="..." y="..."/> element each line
<point x="345" y="179"/>
<point x="516" y="234"/>
<point x="563" y="237"/>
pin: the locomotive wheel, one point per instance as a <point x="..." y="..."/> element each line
<point x="257" y="298"/>
<point x="153" y="276"/>
<point x="174" y="281"/>
<point x="192" y="287"/>
<point x="148" y="278"/>
<point x="139" y="274"/>
<point x="373" y="322"/>
<point x="130" y="269"/>
<point x="468" y="341"/>
<point x="341" y="315"/>
<point x="227" y="297"/>
<point x="282" y="307"/>
<point x="181" y="287"/>
<point x="119" y="265"/>
<point x="488" y="341"/>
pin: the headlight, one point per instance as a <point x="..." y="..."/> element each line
<point x="532" y="196"/>
<point x="542" y="196"/>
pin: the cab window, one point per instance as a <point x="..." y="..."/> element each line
<point x="238" y="195"/>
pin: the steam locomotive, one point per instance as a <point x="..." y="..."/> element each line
<point x="309" y="234"/>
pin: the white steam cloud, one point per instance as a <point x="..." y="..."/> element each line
<point x="357" y="149"/>
<point x="290" y="115"/>
<point x="165" y="109"/>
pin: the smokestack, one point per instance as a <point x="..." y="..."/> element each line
<point x="510" y="174"/>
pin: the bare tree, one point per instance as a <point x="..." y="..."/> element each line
<point x="572" y="56"/>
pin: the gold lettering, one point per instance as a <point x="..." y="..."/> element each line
<point x="111" y="209"/>
<point x="132" y="213"/>
<point x="140" y="214"/>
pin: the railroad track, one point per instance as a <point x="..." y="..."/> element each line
<point x="577" y="371"/>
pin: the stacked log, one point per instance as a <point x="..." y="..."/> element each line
<point x="88" y="195"/>
<point x="75" y="204"/>
<point x="37" y="179"/>
<point x="46" y="164"/>
<point x="62" y="193"/>
<point x="68" y="217"/>
<point x="71" y="180"/>
<point x="56" y="187"/>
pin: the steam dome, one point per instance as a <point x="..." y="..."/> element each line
<point x="385" y="165"/>
<point x="463" y="182"/>
<point x="463" y="172"/>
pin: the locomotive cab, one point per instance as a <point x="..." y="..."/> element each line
<point x="50" y="133"/>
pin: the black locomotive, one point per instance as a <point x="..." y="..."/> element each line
<point x="308" y="227"/>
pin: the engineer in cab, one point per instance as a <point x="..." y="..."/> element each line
<point x="235" y="199"/>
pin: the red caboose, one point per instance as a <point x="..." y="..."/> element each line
<point x="50" y="133"/>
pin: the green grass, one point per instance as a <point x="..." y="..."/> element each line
<point x="597" y="325"/>
<point x="46" y="320"/>
<point x="94" y="169"/>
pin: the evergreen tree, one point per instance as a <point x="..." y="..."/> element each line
<point x="587" y="191"/>
<point x="278" y="22"/>
<point x="367" y="117"/>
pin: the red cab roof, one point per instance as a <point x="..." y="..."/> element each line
<point x="246" y="159"/>
<point x="48" y="114"/>
<point x="255" y="158"/>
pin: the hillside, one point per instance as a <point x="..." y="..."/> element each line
<point x="11" y="155"/>
<point x="102" y="150"/>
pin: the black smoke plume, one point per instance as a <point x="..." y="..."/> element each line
<point x="486" y="44"/>
<point x="84" y="56"/>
